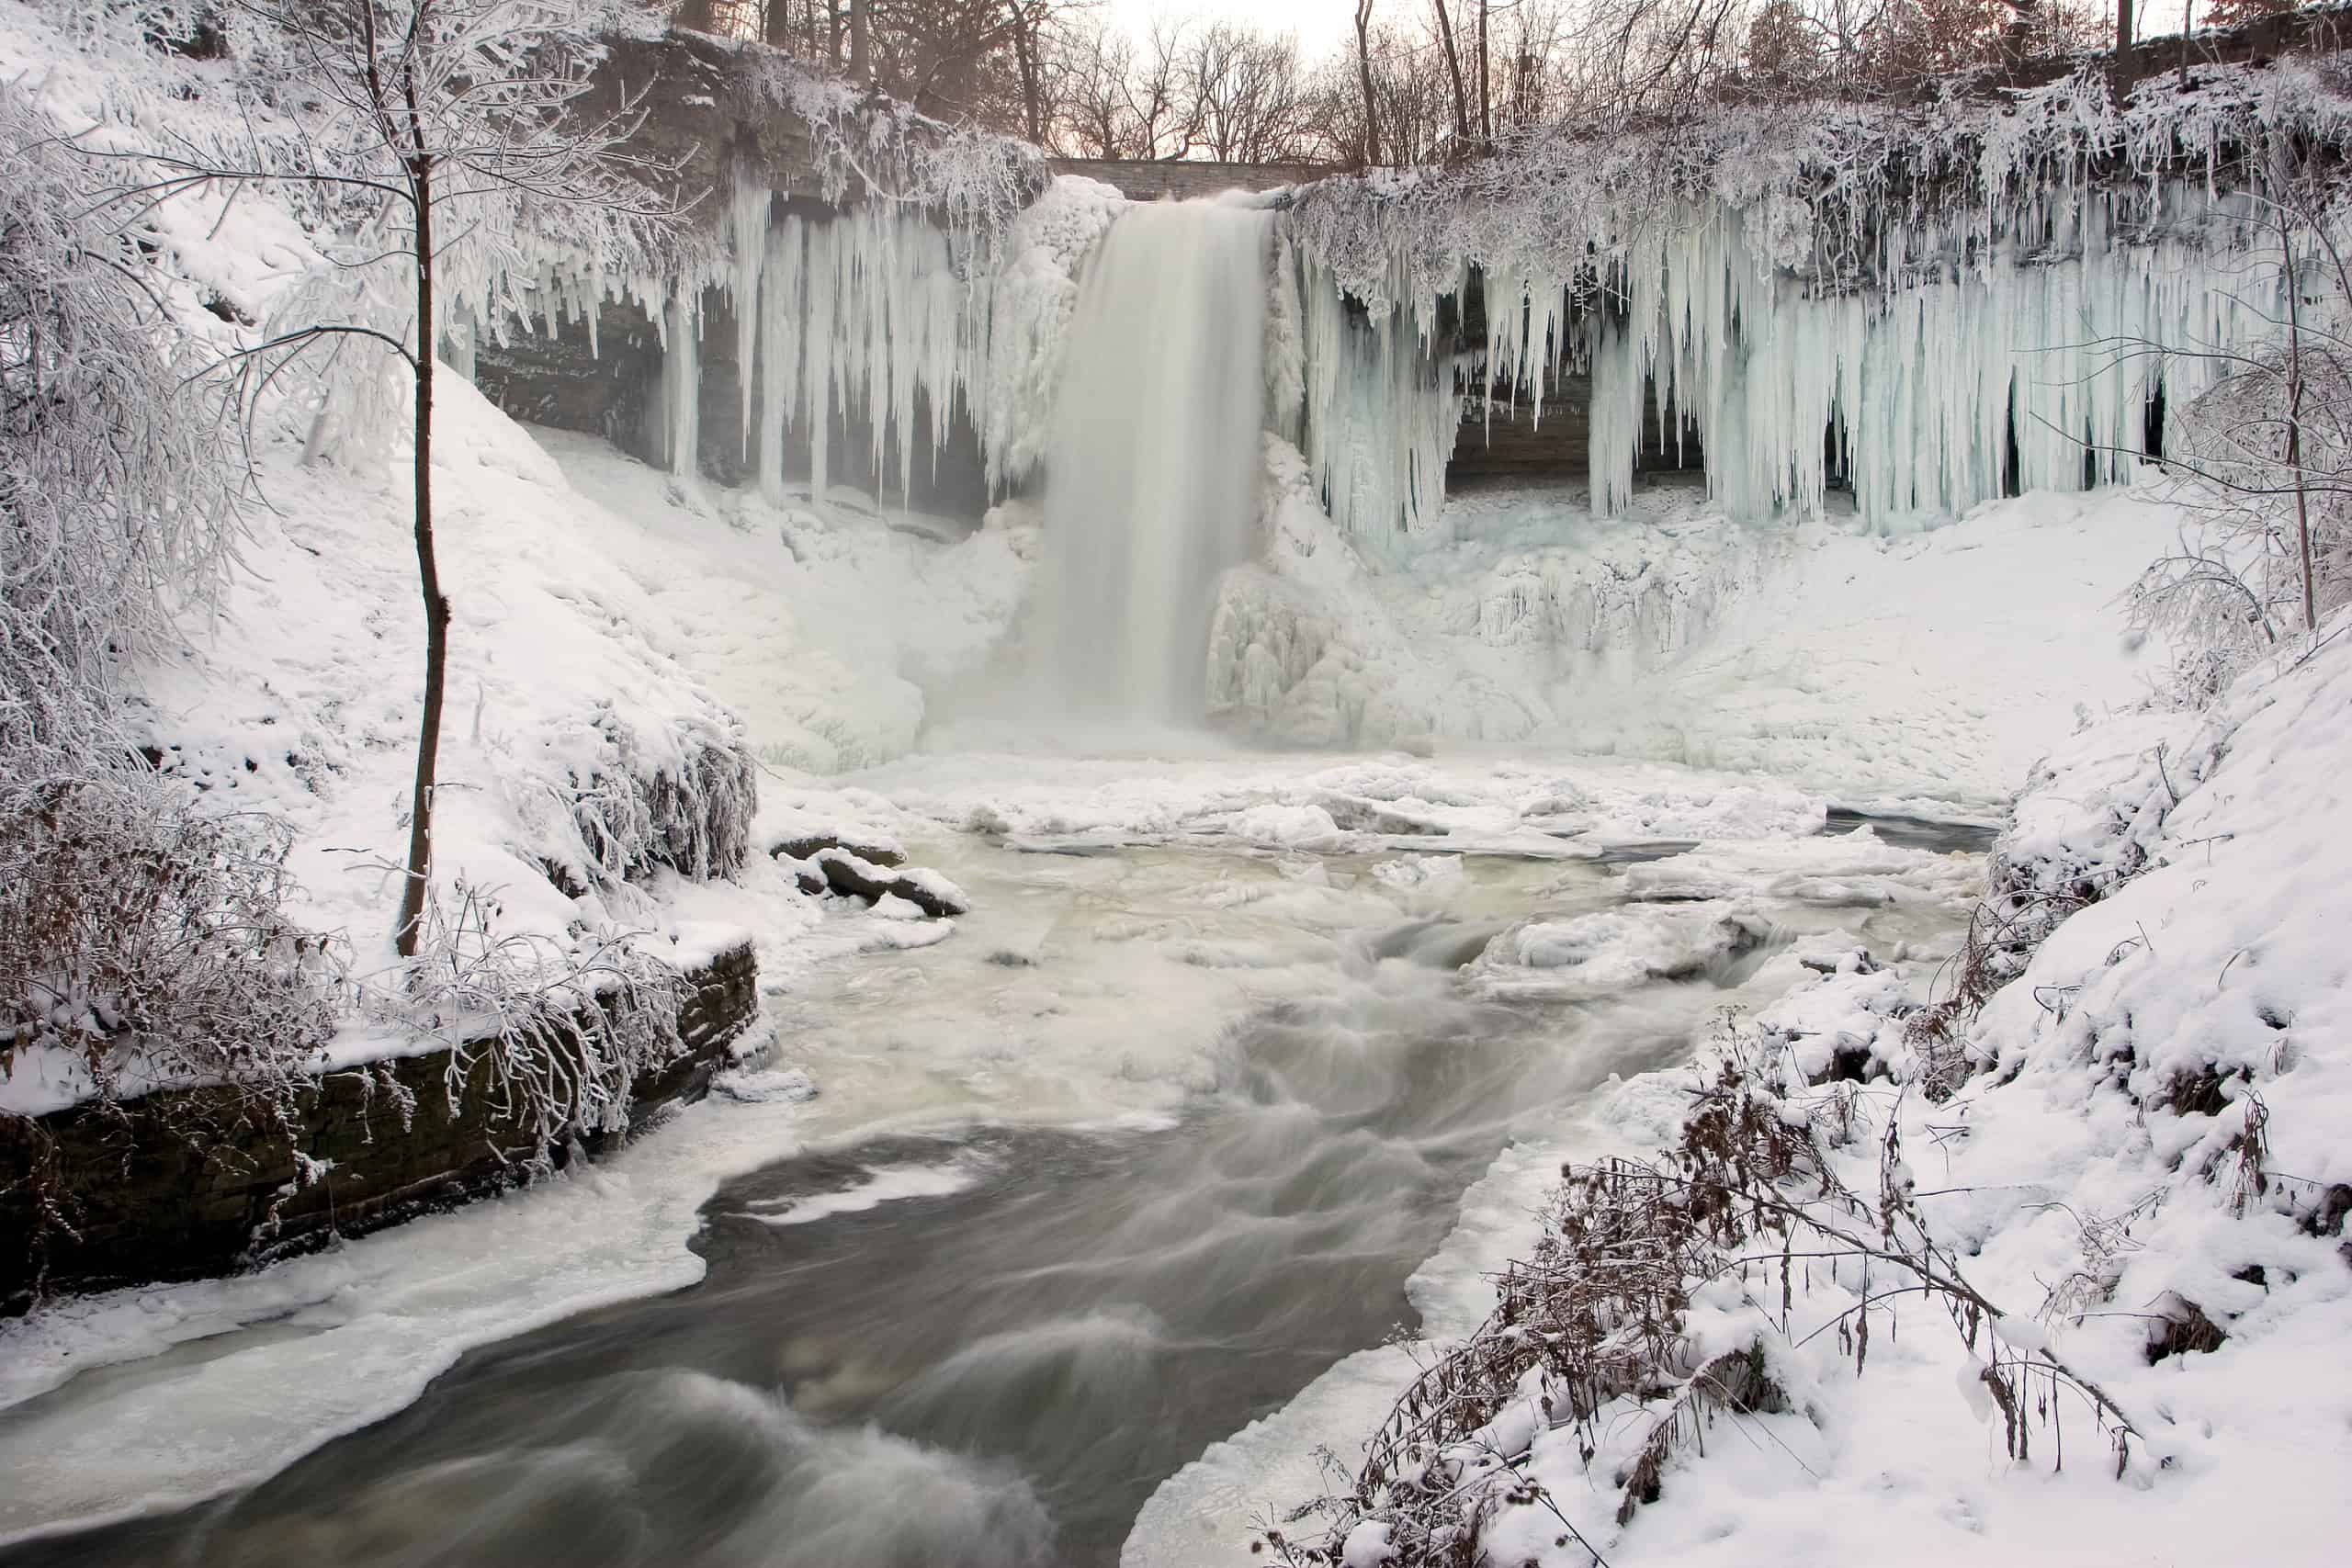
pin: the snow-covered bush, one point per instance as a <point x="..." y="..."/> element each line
<point x="118" y="490"/>
<point x="690" y="812"/>
<point x="1660" y="1299"/>
<point x="2267" y="458"/>
<point x="137" y="934"/>
<point x="148" y="939"/>
<point x="552" y="1036"/>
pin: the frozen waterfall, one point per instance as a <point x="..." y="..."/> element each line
<point x="1152" y="466"/>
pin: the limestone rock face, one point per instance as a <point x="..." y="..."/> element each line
<point x="187" y="1184"/>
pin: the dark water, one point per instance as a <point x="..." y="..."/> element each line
<point x="1916" y="832"/>
<point x="995" y="1375"/>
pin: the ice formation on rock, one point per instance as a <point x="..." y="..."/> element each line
<point x="878" y="310"/>
<point x="1931" y="306"/>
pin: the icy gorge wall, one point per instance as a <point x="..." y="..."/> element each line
<point x="1750" y="295"/>
<point x="1928" y="306"/>
<point x="1896" y="310"/>
<point x="857" y="239"/>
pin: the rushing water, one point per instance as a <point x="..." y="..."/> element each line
<point x="1152" y="472"/>
<point x="980" y="1338"/>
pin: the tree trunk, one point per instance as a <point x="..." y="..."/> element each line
<point x="2295" y="414"/>
<point x="428" y="570"/>
<point x="1363" y="69"/>
<point x="775" y="24"/>
<point x="861" y="65"/>
<point x="1454" y="72"/>
<point x="1486" y="94"/>
<point x="1025" y="54"/>
<point x="697" y="15"/>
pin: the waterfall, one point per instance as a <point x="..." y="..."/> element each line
<point x="1152" y="467"/>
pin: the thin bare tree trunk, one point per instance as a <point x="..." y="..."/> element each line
<point x="1024" y="53"/>
<point x="428" y="569"/>
<point x="1485" y="96"/>
<point x="2295" y="414"/>
<point x="861" y="64"/>
<point x="1363" y="69"/>
<point x="1454" y="72"/>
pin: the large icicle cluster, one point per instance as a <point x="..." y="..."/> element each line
<point x="1372" y="403"/>
<point x="878" y="310"/>
<point x="1930" y="306"/>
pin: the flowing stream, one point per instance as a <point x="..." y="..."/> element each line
<point x="982" y="1329"/>
<point x="1159" y="1136"/>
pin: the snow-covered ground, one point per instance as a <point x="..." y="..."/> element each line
<point x="1455" y="732"/>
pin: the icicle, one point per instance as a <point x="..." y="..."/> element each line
<point x="682" y="382"/>
<point x="781" y="312"/>
<point x="1381" y="412"/>
<point x="747" y="226"/>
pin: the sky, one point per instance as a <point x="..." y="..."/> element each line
<point x="1321" y="25"/>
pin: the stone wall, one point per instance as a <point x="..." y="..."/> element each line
<point x="197" y="1182"/>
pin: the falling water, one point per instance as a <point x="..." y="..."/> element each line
<point x="1152" y="473"/>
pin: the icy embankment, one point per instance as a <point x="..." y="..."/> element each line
<point x="1934" y="665"/>
<point x="2134" y="1152"/>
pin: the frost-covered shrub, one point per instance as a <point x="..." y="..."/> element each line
<point x="689" y="809"/>
<point x="1660" y="1298"/>
<point x="554" y="1035"/>
<point x="118" y="491"/>
<point x="139" y="936"/>
<point x="2268" y="453"/>
<point x="147" y="939"/>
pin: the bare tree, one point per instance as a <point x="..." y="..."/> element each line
<point x="2267" y="450"/>
<point x="1453" y="70"/>
<point x="1096" y="64"/>
<point x="1654" y="57"/>
<point x="444" y="131"/>
<point x="1485" y="97"/>
<point x="1156" y="104"/>
<point x="1363" y="68"/>
<point x="1246" y="99"/>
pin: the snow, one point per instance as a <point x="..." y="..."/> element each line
<point x="1932" y="667"/>
<point x="2072" y="1185"/>
<point x="1610" y="950"/>
<point x="1505" y="688"/>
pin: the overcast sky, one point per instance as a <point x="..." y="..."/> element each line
<point x="1321" y="25"/>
